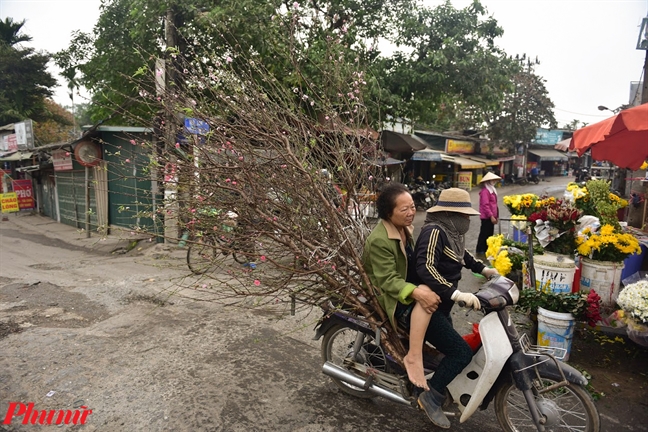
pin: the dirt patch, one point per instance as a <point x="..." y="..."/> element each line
<point x="616" y="368"/>
<point x="6" y="328"/>
<point x="46" y="305"/>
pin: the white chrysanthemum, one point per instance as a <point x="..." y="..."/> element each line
<point x="634" y="300"/>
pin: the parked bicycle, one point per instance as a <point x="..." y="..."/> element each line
<point x="207" y="248"/>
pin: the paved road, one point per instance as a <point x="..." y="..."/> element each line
<point x="95" y="329"/>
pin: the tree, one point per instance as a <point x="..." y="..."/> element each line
<point x="525" y="108"/>
<point x="447" y="65"/>
<point x="574" y="125"/>
<point x="57" y="127"/>
<point x="24" y="80"/>
<point x="10" y="32"/>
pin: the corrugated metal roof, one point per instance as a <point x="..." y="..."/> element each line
<point x="17" y="156"/>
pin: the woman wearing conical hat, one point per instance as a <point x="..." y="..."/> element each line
<point x="488" y="211"/>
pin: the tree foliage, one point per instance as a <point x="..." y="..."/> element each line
<point x="24" y="80"/>
<point x="525" y="108"/>
<point x="57" y="127"/>
<point x="446" y="73"/>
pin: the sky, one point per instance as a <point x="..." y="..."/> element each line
<point x="587" y="48"/>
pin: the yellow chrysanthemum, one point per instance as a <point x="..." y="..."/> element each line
<point x="502" y="263"/>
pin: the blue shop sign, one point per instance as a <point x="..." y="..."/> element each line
<point x="547" y="136"/>
<point x="196" y="126"/>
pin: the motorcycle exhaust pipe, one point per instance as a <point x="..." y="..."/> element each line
<point x="343" y="375"/>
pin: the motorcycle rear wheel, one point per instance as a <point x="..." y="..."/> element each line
<point x="568" y="408"/>
<point x="337" y="345"/>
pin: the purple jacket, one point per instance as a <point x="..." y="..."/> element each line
<point x="487" y="204"/>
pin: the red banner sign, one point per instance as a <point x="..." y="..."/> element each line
<point x="25" y="193"/>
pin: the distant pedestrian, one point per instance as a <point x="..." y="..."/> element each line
<point x="488" y="211"/>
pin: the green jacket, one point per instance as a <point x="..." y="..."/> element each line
<point x="385" y="262"/>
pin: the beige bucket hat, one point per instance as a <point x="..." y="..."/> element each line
<point x="454" y="200"/>
<point x="490" y="176"/>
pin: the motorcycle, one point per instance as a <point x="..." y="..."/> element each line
<point x="531" y="389"/>
<point x="533" y="178"/>
<point x="423" y="196"/>
<point x="583" y="175"/>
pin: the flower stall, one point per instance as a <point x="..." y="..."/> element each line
<point x="578" y="275"/>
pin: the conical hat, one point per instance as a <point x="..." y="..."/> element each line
<point x="490" y="176"/>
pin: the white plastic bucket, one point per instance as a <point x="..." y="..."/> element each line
<point x="555" y="329"/>
<point x="604" y="277"/>
<point x="554" y="272"/>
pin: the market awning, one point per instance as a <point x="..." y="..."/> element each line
<point x="428" y="155"/>
<point x="487" y="162"/>
<point x="387" y="161"/>
<point x="466" y="163"/>
<point x="547" y="155"/>
<point x="396" y="142"/>
<point x="17" y="156"/>
<point x="505" y="158"/>
<point x="563" y="145"/>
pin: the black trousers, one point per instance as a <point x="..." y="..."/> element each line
<point x="487" y="229"/>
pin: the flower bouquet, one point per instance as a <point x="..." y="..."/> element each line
<point x="555" y="223"/>
<point x="606" y="244"/>
<point x="521" y="205"/>
<point x="633" y="300"/>
<point x="595" y="199"/>
<point x="507" y="255"/>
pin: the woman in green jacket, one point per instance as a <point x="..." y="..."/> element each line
<point x="390" y="263"/>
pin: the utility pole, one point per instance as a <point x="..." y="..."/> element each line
<point x="642" y="44"/>
<point x="171" y="204"/>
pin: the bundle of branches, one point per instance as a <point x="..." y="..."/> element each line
<point x="282" y="176"/>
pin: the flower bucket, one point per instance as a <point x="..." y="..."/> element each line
<point x="604" y="277"/>
<point x="556" y="330"/>
<point x="554" y="272"/>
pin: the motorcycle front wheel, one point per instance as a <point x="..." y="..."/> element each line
<point x="200" y="255"/>
<point x="568" y="408"/>
<point x="337" y="346"/>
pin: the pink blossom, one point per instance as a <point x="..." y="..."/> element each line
<point x="193" y="210"/>
<point x="257" y="282"/>
<point x="67" y="153"/>
<point x="228" y="59"/>
<point x="127" y="161"/>
<point x="233" y="182"/>
<point x="295" y="5"/>
<point x="133" y="142"/>
<point x="240" y="158"/>
<point x="227" y="180"/>
<point x="177" y="145"/>
<point x="263" y="258"/>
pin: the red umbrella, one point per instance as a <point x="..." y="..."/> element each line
<point x="622" y="139"/>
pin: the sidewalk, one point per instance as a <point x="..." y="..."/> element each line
<point x="118" y="242"/>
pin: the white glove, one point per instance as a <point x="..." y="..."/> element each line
<point x="469" y="299"/>
<point x="489" y="272"/>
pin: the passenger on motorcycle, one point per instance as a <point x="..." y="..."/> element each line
<point x="440" y="256"/>
<point x="391" y="265"/>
